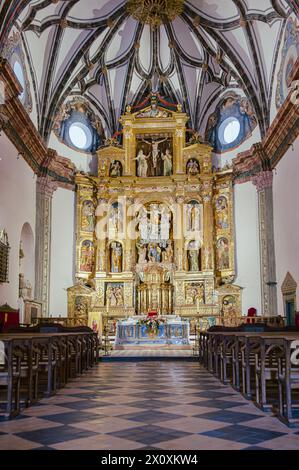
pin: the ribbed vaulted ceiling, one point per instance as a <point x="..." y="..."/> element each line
<point x="95" y="49"/>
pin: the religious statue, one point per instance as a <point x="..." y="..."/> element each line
<point x="193" y="257"/>
<point x="165" y="222"/>
<point x="208" y="258"/>
<point x="115" y="169"/>
<point x="141" y="249"/>
<point x="87" y="219"/>
<point x="87" y="256"/>
<point x="154" y="221"/>
<point x="116" y="257"/>
<point x="167" y="159"/>
<point x="193" y="214"/>
<point x="154" y="253"/>
<point x="142" y="164"/>
<point x="143" y="223"/>
<point x="153" y="112"/>
<point x="223" y="253"/>
<point x="119" y="295"/>
<point x="194" y="293"/>
<point x="80" y="310"/>
<point x="25" y="288"/>
<point x="229" y="311"/>
<point x="155" y="152"/>
<point x="167" y="254"/>
<point x="221" y="213"/>
<point x="115" y="218"/>
<point x="192" y="167"/>
<point x="114" y="295"/>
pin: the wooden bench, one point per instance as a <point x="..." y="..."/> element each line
<point x="37" y="364"/>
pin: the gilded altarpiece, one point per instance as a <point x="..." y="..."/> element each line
<point x="155" y="228"/>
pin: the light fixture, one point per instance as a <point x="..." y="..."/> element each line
<point x="155" y="12"/>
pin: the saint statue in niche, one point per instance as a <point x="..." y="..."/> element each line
<point x="116" y="257"/>
<point x="167" y="159"/>
<point x="142" y="165"/>
<point x="193" y="256"/>
<point x="165" y="222"/>
<point x="167" y="254"/>
<point x="221" y="213"/>
<point x="192" y="167"/>
<point x="223" y="253"/>
<point x="193" y="216"/>
<point x="87" y="219"/>
<point x="115" y="169"/>
<point x="115" y="218"/>
<point x="87" y="256"/>
<point x="154" y="221"/>
<point x="141" y="249"/>
<point x="143" y="223"/>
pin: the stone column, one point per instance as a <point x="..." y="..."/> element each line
<point x="263" y="182"/>
<point x="45" y="188"/>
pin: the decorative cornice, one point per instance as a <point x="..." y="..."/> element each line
<point x="265" y="155"/>
<point x="263" y="180"/>
<point x="46" y="185"/>
<point x="16" y="123"/>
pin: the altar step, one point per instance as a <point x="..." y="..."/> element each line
<point x="149" y="355"/>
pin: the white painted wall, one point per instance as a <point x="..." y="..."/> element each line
<point x="83" y="161"/>
<point x="247" y="245"/>
<point x="62" y="250"/>
<point x="17" y="206"/>
<point x="286" y="219"/>
<point x="227" y="157"/>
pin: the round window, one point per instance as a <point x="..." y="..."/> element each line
<point x="229" y="130"/>
<point x="18" y="70"/>
<point x="80" y="135"/>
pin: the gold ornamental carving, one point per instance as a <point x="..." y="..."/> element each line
<point x="155" y="227"/>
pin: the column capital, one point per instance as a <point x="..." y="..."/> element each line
<point x="46" y="185"/>
<point x="263" y="180"/>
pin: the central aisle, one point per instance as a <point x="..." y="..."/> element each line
<point x="146" y="405"/>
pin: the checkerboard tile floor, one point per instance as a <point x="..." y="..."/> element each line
<point x="173" y="405"/>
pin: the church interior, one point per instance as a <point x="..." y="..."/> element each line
<point x="149" y="260"/>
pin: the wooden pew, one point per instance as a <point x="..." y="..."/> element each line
<point x="41" y="362"/>
<point x="259" y="364"/>
<point x="288" y="380"/>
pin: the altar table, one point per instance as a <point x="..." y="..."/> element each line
<point x="173" y="333"/>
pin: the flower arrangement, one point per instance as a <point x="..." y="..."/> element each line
<point x="152" y="324"/>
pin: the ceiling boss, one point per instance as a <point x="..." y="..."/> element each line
<point x="155" y="12"/>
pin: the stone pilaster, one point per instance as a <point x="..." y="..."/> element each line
<point x="263" y="182"/>
<point x="45" y="188"/>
